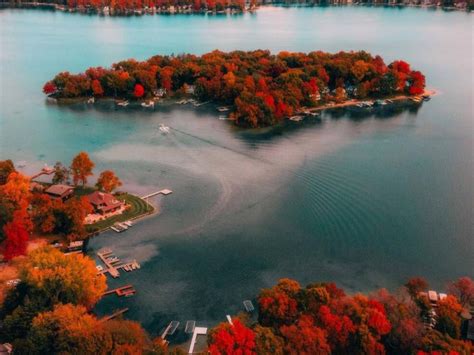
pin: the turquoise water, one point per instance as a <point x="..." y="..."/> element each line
<point x="364" y="200"/>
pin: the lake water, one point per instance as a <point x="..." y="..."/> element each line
<point x="366" y="201"/>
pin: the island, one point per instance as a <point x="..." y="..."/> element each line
<point x="258" y="88"/>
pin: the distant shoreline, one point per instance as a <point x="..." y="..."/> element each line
<point x="228" y="10"/>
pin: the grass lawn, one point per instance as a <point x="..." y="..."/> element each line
<point x="138" y="207"/>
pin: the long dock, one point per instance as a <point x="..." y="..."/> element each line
<point x="162" y="192"/>
<point x="113" y="315"/>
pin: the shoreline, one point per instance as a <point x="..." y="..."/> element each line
<point x="188" y="9"/>
<point x="355" y="102"/>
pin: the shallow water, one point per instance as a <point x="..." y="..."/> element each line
<point x="364" y="200"/>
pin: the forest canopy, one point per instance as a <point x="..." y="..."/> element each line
<point x="261" y="87"/>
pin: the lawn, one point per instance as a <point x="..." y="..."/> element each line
<point x="138" y="207"/>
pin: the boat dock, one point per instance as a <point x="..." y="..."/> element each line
<point x="114" y="315"/>
<point x="197" y="331"/>
<point x="162" y="192"/>
<point x="126" y="291"/>
<point x="170" y="329"/>
<point x="113" y="265"/>
<point x="248" y="305"/>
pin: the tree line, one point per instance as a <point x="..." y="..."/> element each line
<point x="262" y="88"/>
<point x="49" y="312"/>
<point x="25" y="210"/>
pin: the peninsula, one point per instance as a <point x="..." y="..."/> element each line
<point x="259" y="88"/>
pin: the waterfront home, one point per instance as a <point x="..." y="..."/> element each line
<point x="104" y="203"/>
<point x="60" y="191"/>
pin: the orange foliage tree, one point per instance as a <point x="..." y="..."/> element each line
<point x="108" y="181"/>
<point x="64" y="278"/>
<point x="81" y="168"/>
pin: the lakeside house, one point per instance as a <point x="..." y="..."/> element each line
<point x="104" y="203"/>
<point x="59" y="191"/>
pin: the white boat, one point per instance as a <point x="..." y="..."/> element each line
<point x="223" y="118"/>
<point x="115" y="229"/>
<point x="148" y="104"/>
<point x="128" y="223"/>
<point x="123" y="225"/>
<point x="21" y="164"/>
<point x="123" y="103"/>
<point x="90" y="100"/>
<point x="164" y="129"/>
<point x="99" y="268"/>
<point x="223" y="109"/>
<point x="296" y="118"/>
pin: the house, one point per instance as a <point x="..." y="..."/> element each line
<point x="62" y="192"/>
<point x="104" y="202"/>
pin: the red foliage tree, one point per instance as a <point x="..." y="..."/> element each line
<point x="232" y="339"/>
<point x="97" y="88"/>
<point x="49" y="88"/>
<point x="138" y="91"/>
<point x="16" y="237"/>
<point x="305" y="338"/>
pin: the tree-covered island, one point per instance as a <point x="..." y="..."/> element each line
<point x="261" y="88"/>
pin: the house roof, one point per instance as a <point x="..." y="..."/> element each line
<point x="104" y="201"/>
<point x="58" y="190"/>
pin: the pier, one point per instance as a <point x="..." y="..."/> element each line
<point x="45" y="171"/>
<point x="114" y="315"/>
<point x="126" y="291"/>
<point x="113" y="265"/>
<point x="197" y="331"/>
<point x="162" y="192"/>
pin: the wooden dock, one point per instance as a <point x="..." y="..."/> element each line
<point x="126" y="291"/>
<point x="44" y="171"/>
<point x="114" y="315"/>
<point x="113" y="265"/>
<point x="197" y="331"/>
<point x="162" y="192"/>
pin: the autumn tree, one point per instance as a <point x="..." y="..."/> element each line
<point x="61" y="174"/>
<point x="138" y="91"/>
<point x="81" y="168"/>
<point x="279" y="305"/>
<point x="416" y="285"/>
<point x="232" y="338"/>
<point x="6" y="168"/>
<point x="305" y="337"/>
<point x="69" y="217"/>
<point x="448" y="317"/>
<point x="267" y="342"/>
<point x="108" y="181"/>
<point x="69" y="329"/>
<point x="42" y="212"/>
<point x="463" y="289"/>
<point x="16" y="237"/>
<point x="63" y="278"/>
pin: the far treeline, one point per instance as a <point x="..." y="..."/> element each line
<point x="139" y="7"/>
<point x="261" y="87"/>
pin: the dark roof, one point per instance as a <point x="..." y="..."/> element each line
<point x="104" y="201"/>
<point x="58" y="190"/>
